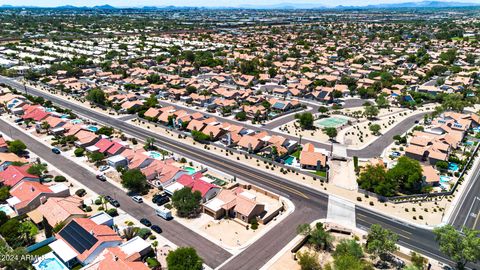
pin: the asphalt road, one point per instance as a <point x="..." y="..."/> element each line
<point x="172" y="230"/>
<point x="306" y="200"/>
<point x="467" y="210"/>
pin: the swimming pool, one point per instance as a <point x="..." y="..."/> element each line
<point x="154" y="154"/>
<point x="50" y="262"/>
<point x="76" y="121"/>
<point x="190" y="170"/>
<point x="289" y="160"/>
<point x="92" y="128"/>
<point x="445" y="181"/>
<point x="7" y="209"/>
<point x="330" y="122"/>
<point x="452" y="166"/>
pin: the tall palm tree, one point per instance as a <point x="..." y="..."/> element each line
<point x="130" y="232"/>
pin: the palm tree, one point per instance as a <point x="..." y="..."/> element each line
<point x="150" y="142"/>
<point x="130" y="232"/>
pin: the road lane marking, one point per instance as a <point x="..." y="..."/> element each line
<point x="366" y="221"/>
<point x="470" y="211"/>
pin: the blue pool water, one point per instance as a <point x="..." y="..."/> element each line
<point x="49" y="109"/>
<point x="6" y="209"/>
<point x="445" y="181"/>
<point x="396" y="154"/>
<point x="477" y="129"/>
<point x="452" y="166"/>
<point x="289" y="160"/>
<point x="154" y="154"/>
<point x="190" y="170"/>
<point x="468" y="143"/>
<point x="51" y="262"/>
<point x="76" y="121"/>
<point x="92" y="128"/>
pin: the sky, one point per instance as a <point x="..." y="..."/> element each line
<point x="209" y="3"/>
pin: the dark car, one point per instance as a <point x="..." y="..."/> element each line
<point x="146" y="222"/>
<point x="156" y="228"/>
<point x="160" y="199"/>
<point x="101" y="177"/>
<point x="56" y="151"/>
<point x="112" y="201"/>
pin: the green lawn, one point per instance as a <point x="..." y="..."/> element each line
<point x="321" y="173"/>
<point x="41" y="251"/>
<point x="296" y="154"/>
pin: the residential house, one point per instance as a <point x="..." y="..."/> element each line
<point x="28" y="195"/>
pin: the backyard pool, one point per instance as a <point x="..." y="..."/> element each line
<point x="6" y="209"/>
<point x="50" y="262"/>
<point x="190" y="170"/>
<point x="445" y="182"/>
<point x="154" y="154"/>
<point x="330" y="122"/>
<point x="453" y="167"/>
<point x="92" y="128"/>
<point x="289" y="160"/>
<point x="76" y="121"/>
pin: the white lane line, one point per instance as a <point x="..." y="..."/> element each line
<point x="470" y="210"/>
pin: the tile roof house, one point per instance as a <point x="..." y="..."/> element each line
<point x="235" y="203"/>
<point x="195" y="182"/>
<point x="85" y="138"/>
<point x="162" y="173"/>
<point x="27" y="195"/>
<point x="7" y="158"/>
<point x="15" y="174"/>
<point x="311" y="160"/>
<point x="83" y="240"/>
<point x="123" y="257"/>
<point x="57" y="210"/>
<point x="251" y="143"/>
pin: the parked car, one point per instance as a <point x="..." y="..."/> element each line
<point x="101" y="177"/>
<point x="56" y="150"/>
<point x="160" y="199"/>
<point x="146" y="222"/>
<point x="137" y="199"/>
<point x="156" y="228"/>
<point x="112" y="201"/>
<point x="103" y="168"/>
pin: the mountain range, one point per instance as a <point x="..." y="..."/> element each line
<point x="283" y="6"/>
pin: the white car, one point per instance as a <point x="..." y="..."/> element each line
<point x="137" y="199"/>
<point x="103" y="168"/>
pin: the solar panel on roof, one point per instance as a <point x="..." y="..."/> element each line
<point x="78" y="237"/>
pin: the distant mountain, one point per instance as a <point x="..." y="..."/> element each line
<point x="284" y="6"/>
<point x="423" y="4"/>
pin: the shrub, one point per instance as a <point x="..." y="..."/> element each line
<point x="81" y="192"/>
<point x="359" y="199"/>
<point x="79" y="152"/>
<point x="98" y="201"/>
<point x="371" y="203"/>
<point x="88" y="209"/>
<point x="144" y="233"/>
<point x="254" y="223"/>
<point x="112" y="212"/>
<point x="59" y="178"/>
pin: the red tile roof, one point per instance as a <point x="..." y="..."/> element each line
<point x="14" y="174"/>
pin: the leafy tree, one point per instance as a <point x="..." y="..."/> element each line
<point x="449" y="56"/>
<point x="371" y="111"/>
<point x="16" y="146"/>
<point x="107" y="131"/>
<point x="417" y="260"/>
<point x="374" y="178"/>
<point x="322" y="109"/>
<point x="462" y="247"/>
<point x="96" y="157"/>
<point x="441" y="165"/>
<point x="331" y="132"/>
<point x="382" y="101"/>
<point x="12" y="233"/>
<point x="380" y="241"/>
<point x="21" y="261"/>
<point x="200" y="136"/>
<point x="37" y="169"/>
<point x="305" y="120"/>
<point x="408" y="173"/>
<point x="184" y="258"/>
<point x="4" y="193"/>
<point x="97" y="96"/>
<point x="3" y="218"/>
<point x="134" y="180"/>
<point x="308" y="261"/>
<point x="152" y="101"/>
<point x="241" y="116"/>
<point x="79" y="152"/>
<point x="348" y="247"/>
<point x="187" y="202"/>
<point x="272" y="72"/>
<point x="454" y="102"/>
<point x="150" y="143"/>
<point x="375" y="129"/>
<point x="318" y="237"/>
